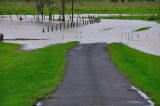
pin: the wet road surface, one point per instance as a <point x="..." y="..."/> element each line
<point x="92" y="80"/>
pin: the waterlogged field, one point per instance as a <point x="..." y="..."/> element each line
<point x="28" y="76"/>
<point x="87" y="7"/>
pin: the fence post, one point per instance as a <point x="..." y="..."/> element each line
<point x="43" y="30"/>
<point x="1" y="37"/>
<point x="52" y="27"/>
<point x="56" y="27"/>
<point x="48" y="28"/>
<point x="60" y="25"/>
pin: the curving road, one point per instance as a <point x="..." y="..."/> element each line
<point x="92" y="80"/>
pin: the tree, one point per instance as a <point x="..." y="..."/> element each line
<point x="40" y="8"/>
<point x="50" y="6"/>
<point x="72" y="9"/>
<point x="122" y="1"/>
<point x="63" y="6"/>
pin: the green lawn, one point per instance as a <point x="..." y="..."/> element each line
<point x="142" y="69"/>
<point x="28" y="76"/>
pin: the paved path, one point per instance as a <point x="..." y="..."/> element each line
<point x="92" y="80"/>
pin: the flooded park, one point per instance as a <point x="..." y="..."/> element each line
<point x="79" y="53"/>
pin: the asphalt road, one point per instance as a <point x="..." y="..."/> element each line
<point x="92" y="80"/>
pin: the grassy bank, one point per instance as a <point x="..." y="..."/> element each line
<point x="28" y="76"/>
<point x="94" y="7"/>
<point x="142" y="69"/>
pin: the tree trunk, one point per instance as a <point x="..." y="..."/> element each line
<point x="63" y="2"/>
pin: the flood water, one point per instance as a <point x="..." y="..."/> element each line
<point x="108" y="30"/>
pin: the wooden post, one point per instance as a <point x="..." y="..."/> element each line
<point x="43" y="30"/>
<point x="1" y="37"/>
<point x="56" y="27"/>
<point x="60" y="26"/>
<point x="48" y="28"/>
<point x="52" y="28"/>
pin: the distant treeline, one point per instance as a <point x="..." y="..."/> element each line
<point x="117" y="0"/>
<point x="81" y="0"/>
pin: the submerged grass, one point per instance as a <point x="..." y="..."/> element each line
<point x="28" y="76"/>
<point x="142" y="69"/>
<point x="142" y="29"/>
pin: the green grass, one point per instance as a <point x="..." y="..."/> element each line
<point x="94" y="7"/>
<point x="142" y="29"/>
<point x="28" y="76"/>
<point x="142" y="69"/>
<point x="132" y="17"/>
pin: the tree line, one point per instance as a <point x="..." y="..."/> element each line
<point x="49" y="5"/>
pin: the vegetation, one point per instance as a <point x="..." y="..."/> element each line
<point x="28" y="76"/>
<point x="134" y="17"/>
<point x="142" y="69"/>
<point x="83" y="7"/>
<point x="142" y="29"/>
<point x="158" y="21"/>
